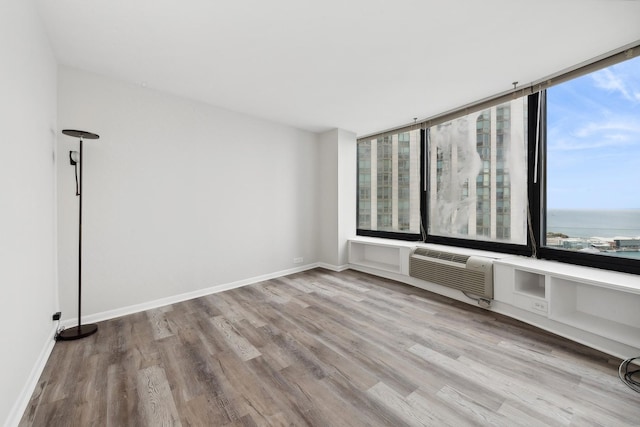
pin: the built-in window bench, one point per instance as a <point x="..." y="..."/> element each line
<point x="598" y="308"/>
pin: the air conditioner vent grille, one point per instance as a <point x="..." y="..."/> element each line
<point x="446" y="256"/>
<point x="466" y="273"/>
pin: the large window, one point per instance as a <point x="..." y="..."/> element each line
<point x="474" y="163"/>
<point x="389" y="186"/>
<point x="549" y="171"/>
<point x="592" y="158"/>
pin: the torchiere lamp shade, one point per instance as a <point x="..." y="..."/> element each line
<point x="80" y="134"/>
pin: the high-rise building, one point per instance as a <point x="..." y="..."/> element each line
<point x="475" y="160"/>
<point x="388" y="183"/>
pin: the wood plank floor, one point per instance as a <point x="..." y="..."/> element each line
<point x="327" y="349"/>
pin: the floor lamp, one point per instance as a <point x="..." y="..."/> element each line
<point x="81" y="330"/>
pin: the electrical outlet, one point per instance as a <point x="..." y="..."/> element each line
<point x="298" y="260"/>
<point x="57" y="315"/>
<point x="541" y="306"/>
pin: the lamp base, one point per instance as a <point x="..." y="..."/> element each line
<point x="77" y="332"/>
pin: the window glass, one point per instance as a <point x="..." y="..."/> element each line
<point x="389" y="183"/>
<point x="593" y="153"/>
<point x="474" y="161"/>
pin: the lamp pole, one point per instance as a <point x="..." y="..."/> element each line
<point x="81" y="330"/>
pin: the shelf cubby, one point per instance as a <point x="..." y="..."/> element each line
<point x="529" y="283"/>
<point x="381" y="257"/>
<point x="602" y="311"/>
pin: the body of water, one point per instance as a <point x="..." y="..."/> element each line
<point x="634" y="255"/>
<point x="587" y="223"/>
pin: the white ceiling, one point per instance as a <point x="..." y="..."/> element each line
<point x="359" y="65"/>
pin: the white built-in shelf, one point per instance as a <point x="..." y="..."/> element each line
<point x="624" y="282"/>
<point x="389" y="255"/>
<point x="603" y="311"/>
<point x="596" y="307"/>
<point x="528" y="291"/>
<point x="600" y="302"/>
<point x="378" y="265"/>
<point x="375" y="254"/>
<point x="615" y="331"/>
<point x="528" y="283"/>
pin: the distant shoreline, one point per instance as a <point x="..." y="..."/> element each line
<point x="589" y="223"/>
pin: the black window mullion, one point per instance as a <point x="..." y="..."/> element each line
<point x="536" y="170"/>
<point x="424" y="183"/>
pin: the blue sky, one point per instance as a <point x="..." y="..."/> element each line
<point x="593" y="140"/>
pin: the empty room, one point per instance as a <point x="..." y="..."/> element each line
<point x="336" y="213"/>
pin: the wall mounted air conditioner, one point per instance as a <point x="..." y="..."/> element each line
<point x="467" y="273"/>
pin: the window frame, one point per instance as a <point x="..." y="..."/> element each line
<point x="490" y="245"/>
<point x="385" y="234"/>
<point x="536" y="147"/>
<point x="612" y="263"/>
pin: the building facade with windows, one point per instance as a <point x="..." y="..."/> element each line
<point x="474" y="162"/>
<point x="388" y="183"/>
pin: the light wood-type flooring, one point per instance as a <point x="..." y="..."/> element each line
<point x="327" y="349"/>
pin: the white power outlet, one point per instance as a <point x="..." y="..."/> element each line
<point x="541" y="306"/>
<point x="298" y="260"/>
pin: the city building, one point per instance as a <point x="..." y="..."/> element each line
<point x="473" y="163"/>
<point x="627" y="244"/>
<point x="388" y="193"/>
<point x="478" y="159"/>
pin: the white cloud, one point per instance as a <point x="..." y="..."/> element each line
<point x="611" y="127"/>
<point x="606" y="79"/>
<point x="614" y="133"/>
<point x="570" y="144"/>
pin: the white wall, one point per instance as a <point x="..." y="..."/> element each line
<point x="179" y="196"/>
<point x="338" y="194"/>
<point x="27" y="201"/>
<point x="347" y="192"/>
<point x="328" y="191"/>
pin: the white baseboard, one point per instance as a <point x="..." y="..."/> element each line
<point x="136" y="308"/>
<point x="23" y="400"/>
<point x="20" y="405"/>
<point x="336" y="268"/>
